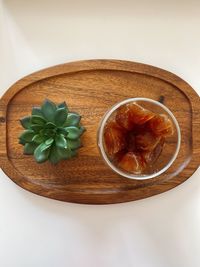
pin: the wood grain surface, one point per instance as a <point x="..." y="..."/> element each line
<point x="91" y="88"/>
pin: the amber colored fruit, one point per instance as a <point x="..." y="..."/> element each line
<point x="139" y="115"/>
<point x="132" y="163"/>
<point x="131" y="145"/>
<point x="118" y="156"/>
<point x="140" y="129"/>
<point x="161" y="125"/>
<point x="146" y="141"/>
<point x="114" y="138"/>
<point x="134" y="139"/>
<point x="123" y="118"/>
<point x="150" y="157"/>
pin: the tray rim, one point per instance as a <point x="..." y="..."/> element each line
<point x="101" y="64"/>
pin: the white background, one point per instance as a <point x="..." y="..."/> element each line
<point x="162" y="231"/>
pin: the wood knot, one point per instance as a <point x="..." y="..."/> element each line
<point x="2" y="119"/>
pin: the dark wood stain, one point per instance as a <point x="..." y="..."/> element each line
<point x="161" y="99"/>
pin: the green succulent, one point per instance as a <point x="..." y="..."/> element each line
<point x="52" y="132"/>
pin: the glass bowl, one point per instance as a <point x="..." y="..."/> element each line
<point x="170" y="149"/>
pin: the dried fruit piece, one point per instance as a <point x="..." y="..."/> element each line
<point x="131" y="145"/>
<point x="132" y="163"/>
<point x="118" y="156"/>
<point x="114" y="138"/>
<point x="138" y="114"/>
<point x="140" y="129"/>
<point x="123" y="118"/>
<point x="161" y="125"/>
<point x="146" y="141"/>
<point x="151" y="156"/>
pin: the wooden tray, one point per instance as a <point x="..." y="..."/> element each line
<point x="90" y="88"/>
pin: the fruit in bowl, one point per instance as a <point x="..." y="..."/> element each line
<point x="133" y="136"/>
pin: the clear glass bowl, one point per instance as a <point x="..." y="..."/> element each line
<point x="171" y="146"/>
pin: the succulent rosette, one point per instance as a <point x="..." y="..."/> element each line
<point x="51" y="133"/>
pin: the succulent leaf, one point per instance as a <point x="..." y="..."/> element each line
<point x="73" y="153"/>
<point x="49" y="132"/>
<point x="37" y="111"/>
<point x="26" y="122"/>
<point x="45" y="146"/>
<point x="21" y="141"/>
<point x="73" y="119"/>
<point x="50" y="125"/>
<point x="41" y="154"/>
<point x="29" y="148"/>
<point x="74" y="144"/>
<point x="58" y="153"/>
<point x="61" y="141"/>
<point x="35" y="119"/>
<point x="27" y="135"/>
<point x="38" y="139"/>
<point x="49" y="141"/>
<point x="62" y="131"/>
<point x="48" y="110"/>
<point x="53" y="156"/>
<point x="36" y="128"/>
<point x="64" y="153"/>
<point x="63" y="105"/>
<point x="82" y="130"/>
<point x="60" y="116"/>
<point x="73" y="132"/>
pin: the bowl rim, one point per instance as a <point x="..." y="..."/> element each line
<point x="100" y="138"/>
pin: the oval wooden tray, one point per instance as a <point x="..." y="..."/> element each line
<point x="90" y="88"/>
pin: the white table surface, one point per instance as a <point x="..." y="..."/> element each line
<point x="161" y="231"/>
